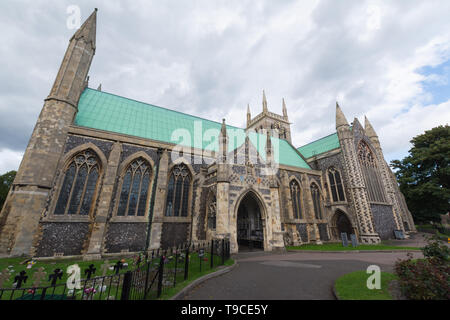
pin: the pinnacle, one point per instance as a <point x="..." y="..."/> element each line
<point x="87" y="31"/>
<point x="370" y="132"/>
<point x="340" y="117"/>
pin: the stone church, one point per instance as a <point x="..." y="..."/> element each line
<point x="105" y="175"/>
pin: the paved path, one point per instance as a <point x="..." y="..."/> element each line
<point x="289" y="276"/>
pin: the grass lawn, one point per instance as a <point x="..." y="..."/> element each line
<point x="173" y="281"/>
<point x="353" y="286"/>
<point x="340" y="247"/>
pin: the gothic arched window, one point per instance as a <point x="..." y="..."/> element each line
<point x="337" y="189"/>
<point x="178" y="192"/>
<point x="79" y="185"/>
<point x="212" y="213"/>
<point x="370" y="173"/>
<point x="135" y="189"/>
<point x="296" y="199"/>
<point x="315" y="193"/>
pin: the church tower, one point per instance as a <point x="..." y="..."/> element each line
<point x="269" y="121"/>
<point x="357" y="186"/>
<point x="388" y="180"/>
<point x="27" y="198"/>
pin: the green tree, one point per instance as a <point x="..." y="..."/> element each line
<point x="6" y="181"/>
<point x="424" y="175"/>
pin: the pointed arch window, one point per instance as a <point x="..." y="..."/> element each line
<point x="317" y="203"/>
<point x="79" y="186"/>
<point x="370" y="172"/>
<point x="134" y="191"/>
<point x="212" y="213"/>
<point x="336" y="186"/>
<point x="296" y="199"/>
<point x="178" y="192"/>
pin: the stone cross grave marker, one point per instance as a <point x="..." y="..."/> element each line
<point x="57" y="274"/>
<point x="118" y="266"/>
<point x="104" y="267"/>
<point x="4" y="277"/>
<point x="344" y="239"/>
<point x="38" y="276"/>
<point x="89" y="271"/>
<point x="354" y="240"/>
<point x="21" y="277"/>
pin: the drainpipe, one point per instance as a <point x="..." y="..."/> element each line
<point x="152" y="202"/>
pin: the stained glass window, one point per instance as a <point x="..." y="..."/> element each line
<point x="178" y="192"/>
<point x="212" y="214"/>
<point x="135" y="189"/>
<point x="296" y="199"/>
<point x="337" y="190"/>
<point x="315" y="193"/>
<point x="79" y="185"/>
<point x="370" y="172"/>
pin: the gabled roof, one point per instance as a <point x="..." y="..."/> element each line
<point x="109" y="112"/>
<point x="322" y="145"/>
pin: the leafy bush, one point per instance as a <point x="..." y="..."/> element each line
<point x="429" y="278"/>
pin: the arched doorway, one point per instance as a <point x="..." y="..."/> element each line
<point x="342" y="224"/>
<point x="250" y="229"/>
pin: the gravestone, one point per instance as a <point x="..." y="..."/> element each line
<point x="399" y="234"/>
<point x="354" y="240"/>
<point x="344" y="239"/>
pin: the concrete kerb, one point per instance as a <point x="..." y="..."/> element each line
<point x="222" y="270"/>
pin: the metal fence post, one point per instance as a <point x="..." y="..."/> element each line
<point x="186" y="263"/>
<point x="223" y="251"/>
<point x="146" y="279"/>
<point x="212" y="253"/>
<point x="126" y="286"/>
<point x="160" y="276"/>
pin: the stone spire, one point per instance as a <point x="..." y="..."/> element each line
<point x="87" y="31"/>
<point x="269" y="148"/>
<point x="340" y="118"/>
<point x="264" y="103"/>
<point x="222" y="169"/>
<point x="249" y="117"/>
<point x="37" y="172"/>
<point x="71" y="79"/>
<point x="223" y="141"/>
<point x="370" y="132"/>
<point x="284" y="110"/>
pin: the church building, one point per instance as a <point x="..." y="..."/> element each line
<point x="104" y="175"/>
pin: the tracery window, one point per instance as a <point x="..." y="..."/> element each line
<point x="79" y="185"/>
<point x="296" y="199"/>
<point x="370" y="173"/>
<point x="178" y="192"/>
<point x="337" y="189"/>
<point x="315" y="193"/>
<point x="135" y="189"/>
<point x="212" y="214"/>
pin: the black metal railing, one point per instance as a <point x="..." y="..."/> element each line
<point x="157" y="274"/>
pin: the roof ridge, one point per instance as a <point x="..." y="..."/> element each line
<point x="153" y="105"/>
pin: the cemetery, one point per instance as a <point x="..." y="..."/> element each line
<point x="157" y="275"/>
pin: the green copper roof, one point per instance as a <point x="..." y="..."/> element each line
<point x="109" y="112"/>
<point x="320" y="146"/>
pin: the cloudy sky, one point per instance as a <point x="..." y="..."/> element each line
<point x="389" y="60"/>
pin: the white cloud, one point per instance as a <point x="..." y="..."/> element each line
<point x="9" y="160"/>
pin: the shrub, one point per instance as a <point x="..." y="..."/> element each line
<point x="429" y="278"/>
